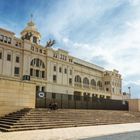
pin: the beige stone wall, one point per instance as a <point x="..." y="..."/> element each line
<point x="134" y="105"/>
<point x="117" y="97"/>
<point x="15" y="95"/>
<point x="55" y="88"/>
<point x="27" y="51"/>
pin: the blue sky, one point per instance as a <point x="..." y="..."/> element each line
<point x="104" y="32"/>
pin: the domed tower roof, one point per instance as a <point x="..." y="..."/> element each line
<point x="30" y="32"/>
<point x="31" y="27"/>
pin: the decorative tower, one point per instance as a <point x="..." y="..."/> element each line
<point x="31" y="33"/>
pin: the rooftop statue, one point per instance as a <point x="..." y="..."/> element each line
<point x="50" y="43"/>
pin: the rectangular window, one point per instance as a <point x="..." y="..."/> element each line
<point x="54" y="78"/>
<point x="9" y="40"/>
<point x="31" y="72"/>
<point x="54" y="68"/>
<point x="60" y="69"/>
<point x="16" y="72"/>
<point x="17" y="59"/>
<point x="65" y="71"/>
<point x="70" y="81"/>
<point x="5" y="39"/>
<point x="37" y="73"/>
<point x="43" y="74"/>
<point x="1" y="38"/>
<point x="70" y="72"/>
<point x="107" y="82"/>
<point x="8" y="57"/>
<point x="0" y="55"/>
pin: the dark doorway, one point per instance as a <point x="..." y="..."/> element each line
<point x="40" y="98"/>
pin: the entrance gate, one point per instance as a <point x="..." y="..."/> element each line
<point x="40" y="98"/>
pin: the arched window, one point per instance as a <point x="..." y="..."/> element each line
<point x="34" y="39"/>
<point x="36" y="62"/>
<point x="99" y="84"/>
<point x="37" y="68"/>
<point x="77" y="79"/>
<point x="86" y="81"/>
<point x="93" y="82"/>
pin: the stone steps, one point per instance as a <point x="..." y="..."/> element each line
<point x="34" y="128"/>
<point x="31" y="119"/>
<point x="49" y="126"/>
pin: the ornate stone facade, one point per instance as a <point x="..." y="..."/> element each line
<point x="53" y="71"/>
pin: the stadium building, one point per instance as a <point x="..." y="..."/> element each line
<point x="32" y="75"/>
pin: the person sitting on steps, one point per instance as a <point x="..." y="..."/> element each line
<point x="50" y="106"/>
<point x="53" y="106"/>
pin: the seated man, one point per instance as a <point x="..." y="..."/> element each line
<point x="50" y="106"/>
<point x="54" y="106"/>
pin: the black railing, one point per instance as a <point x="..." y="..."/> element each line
<point x="81" y="102"/>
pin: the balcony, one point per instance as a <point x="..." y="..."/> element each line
<point x="85" y="86"/>
<point x="77" y="84"/>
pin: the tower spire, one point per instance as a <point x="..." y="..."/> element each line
<point x="31" y="17"/>
<point x="30" y="32"/>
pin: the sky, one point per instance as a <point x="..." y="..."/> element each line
<point x="103" y="32"/>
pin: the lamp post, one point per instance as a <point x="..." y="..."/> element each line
<point x="129" y="88"/>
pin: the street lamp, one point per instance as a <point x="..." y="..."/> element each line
<point x="129" y="88"/>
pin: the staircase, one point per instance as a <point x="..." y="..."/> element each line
<point x="32" y="119"/>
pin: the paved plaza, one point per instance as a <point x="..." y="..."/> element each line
<point x="123" y="136"/>
<point x="73" y="133"/>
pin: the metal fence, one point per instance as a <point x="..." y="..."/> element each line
<point x="65" y="101"/>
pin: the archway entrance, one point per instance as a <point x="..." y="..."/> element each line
<point x="40" y="97"/>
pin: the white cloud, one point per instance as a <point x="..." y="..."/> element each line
<point x="106" y="33"/>
<point x="135" y="2"/>
<point x="136" y="82"/>
<point x="112" y="49"/>
<point x="109" y="31"/>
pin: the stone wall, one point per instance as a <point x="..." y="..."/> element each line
<point x="15" y="95"/>
<point x="134" y="105"/>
